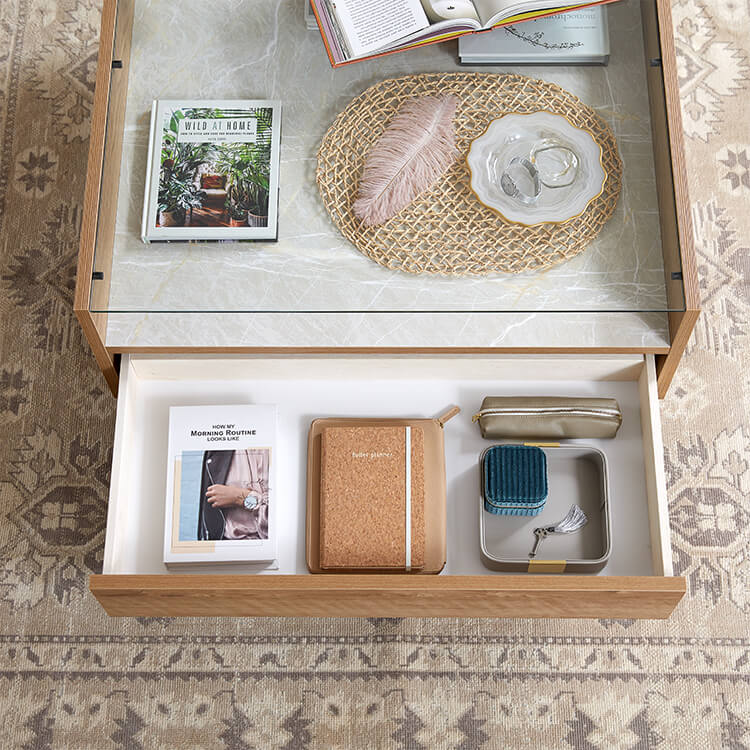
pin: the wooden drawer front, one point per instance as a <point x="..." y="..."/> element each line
<point x="637" y="581"/>
<point x="388" y="596"/>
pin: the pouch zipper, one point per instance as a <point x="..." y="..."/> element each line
<point x="599" y="413"/>
<point x="445" y="416"/>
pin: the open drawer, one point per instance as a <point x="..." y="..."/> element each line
<point x="636" y="582"/>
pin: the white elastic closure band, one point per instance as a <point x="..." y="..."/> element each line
<point x="407" y="453"/>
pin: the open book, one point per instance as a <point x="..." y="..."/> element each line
<point x="357" y="29"/>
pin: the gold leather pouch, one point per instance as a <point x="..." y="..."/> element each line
<point x="546" y="417"/>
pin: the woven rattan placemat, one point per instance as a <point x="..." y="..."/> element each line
<point x="446" y="230"/>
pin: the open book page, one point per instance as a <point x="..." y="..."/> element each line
<point x="371" y="25"/>
<point x="355" y="29"/>
<point x="492" y="12"/>
<point x="437" y="31"/>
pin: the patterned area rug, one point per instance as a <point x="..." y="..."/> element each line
<point x="72" y="678"/>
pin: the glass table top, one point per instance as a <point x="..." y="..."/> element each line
<point x="263" y="50"/>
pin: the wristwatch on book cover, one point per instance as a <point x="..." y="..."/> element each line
<point x="250" y="502"/>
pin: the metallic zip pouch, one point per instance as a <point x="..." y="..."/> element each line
<point x="546" y="417"/>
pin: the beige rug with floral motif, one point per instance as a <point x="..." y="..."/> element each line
<point x="72" y="678"/>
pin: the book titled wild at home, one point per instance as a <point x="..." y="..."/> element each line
<point x="213" y="171"/>
<point x="221" y="485"/>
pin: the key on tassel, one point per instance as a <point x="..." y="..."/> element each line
<point x="574" y="520"/>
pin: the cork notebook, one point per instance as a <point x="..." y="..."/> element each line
<point x="372" y="497"/>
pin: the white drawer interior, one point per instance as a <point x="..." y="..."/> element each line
<point x="306" y="387"/>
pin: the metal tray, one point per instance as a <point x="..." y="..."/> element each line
<point x="576" y="474"/>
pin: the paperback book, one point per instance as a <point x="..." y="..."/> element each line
<point x="221" y="487"/>
<point x="579" y="37"/>
<point x="213" y="171"/>
<point x="358" y="29"/>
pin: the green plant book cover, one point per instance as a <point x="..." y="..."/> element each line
<point x="213" y="171"/>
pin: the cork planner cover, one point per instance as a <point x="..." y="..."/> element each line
<point x="372" y="496"/>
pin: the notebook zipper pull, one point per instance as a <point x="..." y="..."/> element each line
<point x="443" y="418"/>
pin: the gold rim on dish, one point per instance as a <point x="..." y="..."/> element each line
<point x="530" y="114"/>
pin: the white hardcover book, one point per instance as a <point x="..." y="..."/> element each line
<point x="221" y="485"/>
<point x="310" y="22"/>
<point x="575" y="37"/>
<point x="213" y="171"/>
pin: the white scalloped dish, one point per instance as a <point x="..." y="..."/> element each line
<point x="513" y="136"/>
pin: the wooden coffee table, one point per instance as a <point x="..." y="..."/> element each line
<point x="172" y="323"/>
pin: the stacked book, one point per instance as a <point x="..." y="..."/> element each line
<point x="360" y="29"/>
<point x="310" y="22"/>
<point x="578" y="37"/>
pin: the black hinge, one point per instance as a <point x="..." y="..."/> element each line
<point x="655" y="62"/>
<point x="97" y="275"/>
<point x="116" y="63"/>
<point x="676" y="275"/>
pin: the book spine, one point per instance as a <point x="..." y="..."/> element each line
<point x="341" y="39"/>
<point x="149" y="174"/>
<point x="324" y="36"/>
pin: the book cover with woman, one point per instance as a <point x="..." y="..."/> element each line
<point x="221" y="505"/>
<point x="233" y="497"/>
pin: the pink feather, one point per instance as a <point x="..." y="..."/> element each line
<point x="416" y="148"/>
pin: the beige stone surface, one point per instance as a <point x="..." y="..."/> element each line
<point x="269" y="54"/>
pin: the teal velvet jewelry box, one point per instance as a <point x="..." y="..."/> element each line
<point x="514" y="480"/>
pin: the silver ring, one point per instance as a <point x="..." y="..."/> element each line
<point x="560" y="169"/>
<point x="520" y="180"/>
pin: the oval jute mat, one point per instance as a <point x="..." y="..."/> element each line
<point x="446" y="230"/>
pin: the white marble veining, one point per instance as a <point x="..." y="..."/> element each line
<point x="263" y="50"/>
<point x="639" y="331"/>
